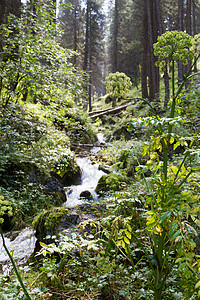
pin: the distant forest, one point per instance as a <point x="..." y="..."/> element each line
<point x="117" y="35"/>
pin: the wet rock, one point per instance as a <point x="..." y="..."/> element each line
<point x="86" y="195"/>
<point x="111" y="182"/>
<point x="55" y="221"/>
<point x="106" y="169"/>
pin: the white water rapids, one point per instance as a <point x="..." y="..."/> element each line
<point x="21" y="243"/>
<point x="90" y="176"/>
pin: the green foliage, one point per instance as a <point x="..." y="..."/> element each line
<point x="111" y="182"/>
<point x="175" y="45"/>
<point x="49" y="219"/>
<point x="124" y="155"/>
<point x="33" y="65"/>
<point x="78" y="126"/>
<point x="5" y="208"/>
<point x="117" y="85"/>
<point x="33" y="153"/>
<point x="188" y="105"/>
<point x="172" y="196"/>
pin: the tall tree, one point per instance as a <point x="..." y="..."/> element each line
<point x="8" y="7"/>
<point x="93" y="59"/>
<point x="150" y="32"/>
<point x="189" y="17"/>
<point x="144" y="65"/>
<point x="160" y="30"/>
<point x="115" y="37"/>
<point x="180" y="28"/>
<point x="71" y="19"/>
<point x="124" y="38"/>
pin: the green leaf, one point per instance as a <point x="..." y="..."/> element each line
<point x="176" y="145"/>
<point x="165" y="215"/>
<point x="128" y="234"/>
<point x="197" y="285"/>
<point x="127" y="241"/>
<point x="176" y="234"/>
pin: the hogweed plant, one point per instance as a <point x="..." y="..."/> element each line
<point x="172" y="199"/>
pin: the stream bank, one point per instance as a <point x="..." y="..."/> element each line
<point x="77" y="195"/>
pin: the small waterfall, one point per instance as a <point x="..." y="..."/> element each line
<point x="89" y="179"/>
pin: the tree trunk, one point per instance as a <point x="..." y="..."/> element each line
<point x="180" y="28"/>
<point x="194" y="25"/>
<point x="152" y="68"/>
<point x="90" y="66"/>
<point x="9" y="7"/>
<point x="144" y="56"/>
<point x="160" y="29"/>
<point x="75" y="31"/>
<point x="85" y="63"/>
<point x="115" y="43"/>
<point x="189" y="17"/>
<point x="189" y="31"/>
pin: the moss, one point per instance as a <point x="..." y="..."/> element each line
<point x="54" y="218"/>
<point x="48" y="220"/>
<point x="95" y="209"/>
<point x="6" y="212"/>
<point x="111" y="182"/>
<point x="39" y="220"/>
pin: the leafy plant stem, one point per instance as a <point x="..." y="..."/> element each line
<point x="182" y="163"/>
<point x="165" y="162"/>
<point x="144" y="178"/>
<point x="185" y="178"/>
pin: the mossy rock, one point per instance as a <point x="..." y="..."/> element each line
<point x="50" y="223"/>
<point x="111" y="182"/>
<point x="72" y="175"/>
<point x="45" y="224"/>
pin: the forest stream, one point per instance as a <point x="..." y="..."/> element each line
<point x="23" y="242"/>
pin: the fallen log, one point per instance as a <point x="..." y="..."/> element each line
<point x="113" y="110"/>
<point x="90" y="113"/>
<point x="89" y="145"/>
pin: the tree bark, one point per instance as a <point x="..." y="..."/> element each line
<point x="152" y="68"/>
<point x="109" y="111"/>
<point x="194" y="25"/>
<point x="144" y="56"/>
<point x="189" y="31"/>
<point x="90" y="66"/>
<point x="115" y="44"/>
<point x="75" y="31"/>
<point x="9" y="7"/>
<point x="189" y="17"/>
<point x="85" y="63"/>
<point x="180" y="28"/>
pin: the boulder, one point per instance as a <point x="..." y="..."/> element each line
<point x="86" y="195"/>
<point x="111" y="182"/>
<point x="105" y="168"/>
<point x="52" y="222"/>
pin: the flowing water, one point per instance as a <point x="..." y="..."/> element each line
<point x="23" y="243"/>
<point x="90" y="176"/>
